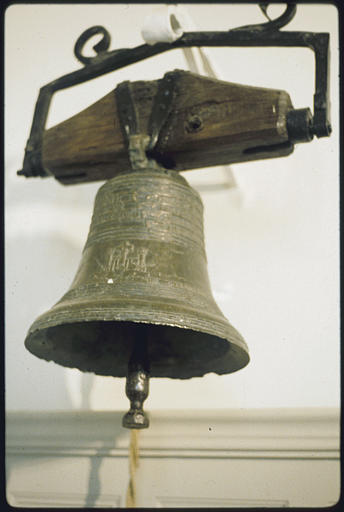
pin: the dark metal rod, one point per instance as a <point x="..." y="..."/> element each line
<point x="111" y="61"/>
<point x="137" y="383"/>
<point x="106" y="62"/>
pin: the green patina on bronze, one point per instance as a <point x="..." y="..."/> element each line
<point x="142" y="279"/>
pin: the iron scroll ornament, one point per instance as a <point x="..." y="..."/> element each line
<point x="302" y="125"/>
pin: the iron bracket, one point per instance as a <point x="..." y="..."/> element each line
<point x="301" y="124"/>
<point x="162" y="107"/>
<point x="141" y="145"/>
<point x="129" y="121"/>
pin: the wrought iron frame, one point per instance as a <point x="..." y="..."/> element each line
<point x="261" y="35"/>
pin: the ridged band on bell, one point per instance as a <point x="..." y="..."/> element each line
<point x="143" y="262"/>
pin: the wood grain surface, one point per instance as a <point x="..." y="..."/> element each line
<point x="211" y="123"/>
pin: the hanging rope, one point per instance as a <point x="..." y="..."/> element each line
<point x="133" y="464"/>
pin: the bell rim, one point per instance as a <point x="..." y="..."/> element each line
<point x="219" y="327"/>
<point x="237" y="352"/>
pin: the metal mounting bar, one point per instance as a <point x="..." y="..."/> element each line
<point x="140" y="145"/>
<point x="130" y="124"/>
<point x="264" y="35"/>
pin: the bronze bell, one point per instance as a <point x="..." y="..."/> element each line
<point x="141" y="297"/>
<point x="140" y="305"/>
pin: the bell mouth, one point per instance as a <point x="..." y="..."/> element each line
<point x="105" y="347"/>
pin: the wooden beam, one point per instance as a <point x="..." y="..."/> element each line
<point x="212" y="122"/>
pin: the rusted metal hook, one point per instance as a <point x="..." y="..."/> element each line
<point x="99" y="48"/>
<point x="272" y="24"/>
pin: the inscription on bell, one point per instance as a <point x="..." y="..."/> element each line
<point x="124" y="257"/>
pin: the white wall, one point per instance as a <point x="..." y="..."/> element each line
<point x="232" y="458"/>
<point x="272" y="241"/>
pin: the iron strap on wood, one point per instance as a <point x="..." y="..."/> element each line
<point x="141" y="145"/>
<point x="302" y="125"/>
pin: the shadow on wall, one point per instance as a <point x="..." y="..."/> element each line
<point x="73" y="431"/>
<point x="80" y="386"/>
<point x="87" y="382"/>
<point x="39" y="270"/>
<point x="95" y="491"/>
<point x="94" y="485"/>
